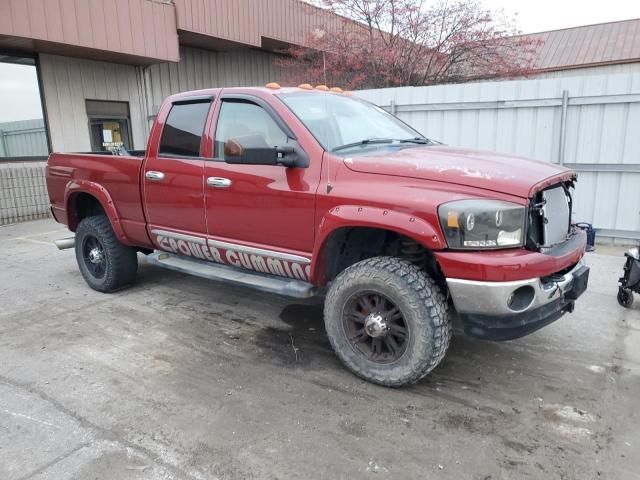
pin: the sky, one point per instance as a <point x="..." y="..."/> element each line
<point x="19" y="97"/>
<point x="541" y="15"/>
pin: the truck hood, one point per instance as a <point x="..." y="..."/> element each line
<point x="486" y="170"/>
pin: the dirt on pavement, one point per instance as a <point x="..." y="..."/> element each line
<point x="183" y="378"/>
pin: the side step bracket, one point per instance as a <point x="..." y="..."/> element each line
<point x="224" y="273"/>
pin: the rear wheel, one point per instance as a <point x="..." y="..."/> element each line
<point x="625" y="297"/>
<point x="104" y="262"/>
<point x="387" y="321"/>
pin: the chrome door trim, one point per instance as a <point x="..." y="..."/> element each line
<point x="218" y="182"/>
<point x="259" y="251"/>
<point x="154" y="176"/>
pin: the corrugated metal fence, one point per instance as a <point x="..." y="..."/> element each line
<point x="590" y="124"/>
<point x="23" y="192"/>
<point x="25" y="138"/>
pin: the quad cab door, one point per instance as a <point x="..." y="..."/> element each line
<point x="173" y="174"/>
<point x="260" y="217"/>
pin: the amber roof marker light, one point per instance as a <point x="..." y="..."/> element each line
<point x="273" y="85"/>
<point x="305" y="86"/>
<point x="336" y="90"/>
<point x="324" y="88"/>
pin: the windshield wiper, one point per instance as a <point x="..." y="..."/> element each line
<point x="366" y="141"/>
<point x="373" y="141"/>
<point x="420" y="140"/>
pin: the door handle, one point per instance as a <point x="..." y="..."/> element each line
<point x="218" y="182"/>
<point x="154" y="176"/>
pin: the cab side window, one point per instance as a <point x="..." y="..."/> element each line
<point x="240" y="118"/>
<point x="182" y="132"/>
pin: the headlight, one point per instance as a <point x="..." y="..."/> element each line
<point x="634" y="253"/>
<point x="476" y="224"/>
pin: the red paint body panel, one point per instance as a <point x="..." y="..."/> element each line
<point x="267" y="205"/>
<point x="485" y="170"/>
<point x="507" y="265"/>
<point x="178" y="202"/>
<point x="294" y="211"/>
<point x="113" y="180"/>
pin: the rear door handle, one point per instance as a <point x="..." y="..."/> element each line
<point x="218" y="182"/>
<point x="154" y="176"/>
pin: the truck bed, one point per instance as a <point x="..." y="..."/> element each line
<point x="115" y="178"/>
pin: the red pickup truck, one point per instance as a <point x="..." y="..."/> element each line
<point x="309" y="191"/>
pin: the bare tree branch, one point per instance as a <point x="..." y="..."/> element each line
<point x="384" y="43"/>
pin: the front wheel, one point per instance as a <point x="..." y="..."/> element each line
<point x="104" y="262"/>
<point x="625" y="297"/>
<point x="387" y="321"/>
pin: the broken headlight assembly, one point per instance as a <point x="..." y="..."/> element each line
<point x="482" y="224"/>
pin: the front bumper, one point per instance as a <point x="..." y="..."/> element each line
<point x="507" y="310"/>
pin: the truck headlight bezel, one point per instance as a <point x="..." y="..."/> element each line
<point x="483" y="224"/>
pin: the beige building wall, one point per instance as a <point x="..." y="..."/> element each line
<point x="206" y="69"/>
<point x="68" y="82"/>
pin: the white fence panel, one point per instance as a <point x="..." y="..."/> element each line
<point x="588" y="123"/>
<point x="25" y="138"/>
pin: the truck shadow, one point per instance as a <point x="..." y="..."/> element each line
<point x="302" y="343"/>
<point x="295" y="338"/>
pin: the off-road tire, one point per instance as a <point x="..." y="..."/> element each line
<point x="121" y="261"/>
<point x="421" y="303"/>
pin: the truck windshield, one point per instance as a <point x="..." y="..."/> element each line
<point x="344" y="124"/>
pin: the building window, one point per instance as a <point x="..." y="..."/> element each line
<point x="23" y="133"/>
<point x="109" y="125"/>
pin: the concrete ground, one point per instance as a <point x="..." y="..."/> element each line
<point x="182" y="378"/>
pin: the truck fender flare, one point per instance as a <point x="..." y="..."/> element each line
<point x="103" y="197"/>
<point x="372" y="217"/>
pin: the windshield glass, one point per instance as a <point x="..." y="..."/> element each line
<point x="345" y="124"/>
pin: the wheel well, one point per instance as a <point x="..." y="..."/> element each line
<point x="82" y="205"/>
<point x="349" y="245"/>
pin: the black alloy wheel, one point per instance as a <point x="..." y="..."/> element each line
<point x="94" y="257"/>
<point x="375" y="327"/>
<point x="387" y="320"/>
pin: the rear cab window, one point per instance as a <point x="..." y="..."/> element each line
<point x="183" y="130"/>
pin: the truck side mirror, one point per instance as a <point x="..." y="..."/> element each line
<point x="250" y="150"/>
<point x="254" y="150"/>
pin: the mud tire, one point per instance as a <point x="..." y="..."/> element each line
<point x="424" y="310"/>
<point x="120" y="261"/>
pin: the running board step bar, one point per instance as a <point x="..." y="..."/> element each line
<point x="224" y="273"/>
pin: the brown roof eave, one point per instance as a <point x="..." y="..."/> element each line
<point x="584" y="65"/>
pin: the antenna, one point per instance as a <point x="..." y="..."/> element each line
<point x="329" y="185"/>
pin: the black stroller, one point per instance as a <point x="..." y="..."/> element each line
<point x="630" y="280"/>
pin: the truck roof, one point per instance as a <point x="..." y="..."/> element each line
<point x="271" y="89"/>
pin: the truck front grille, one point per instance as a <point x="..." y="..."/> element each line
<point x="549" y="217"/>
<point x="557" y="215"/>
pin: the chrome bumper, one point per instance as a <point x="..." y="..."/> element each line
<point x="508" y="298"/>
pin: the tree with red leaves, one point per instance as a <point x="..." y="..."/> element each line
<point x="388" y="43"/>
